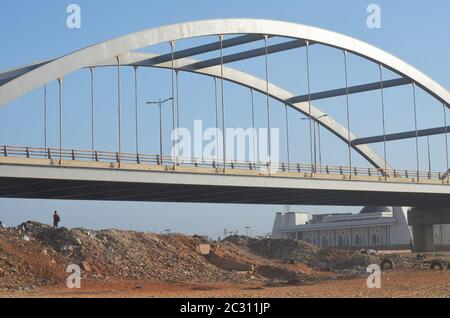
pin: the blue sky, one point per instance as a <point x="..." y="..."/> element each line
<point x="31" y="31"/>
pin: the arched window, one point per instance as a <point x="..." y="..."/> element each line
<point x="357" y="240"/>
<point x="341" y="242"/>
<point x="374" y="239"/>
<point x="324" y="242"/>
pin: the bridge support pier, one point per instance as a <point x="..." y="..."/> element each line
<point x="423" y="238"/>
<point x="422" y="221"/>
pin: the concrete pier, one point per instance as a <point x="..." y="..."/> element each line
<point x="422" y="220"/>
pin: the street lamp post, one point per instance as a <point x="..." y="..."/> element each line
<point x="429" y="154"/>
<point x="160" y="104"/>
<point x="319" y="144"/>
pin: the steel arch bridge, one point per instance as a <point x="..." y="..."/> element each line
<point x="382" y="184"/>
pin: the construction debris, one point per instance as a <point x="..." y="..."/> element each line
<point x="294" y="252"/>
<point x="204" y="249"/>
<point x="125" y="255"/>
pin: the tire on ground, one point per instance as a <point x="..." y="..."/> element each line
<point x="387" y="264"/>
<point x="416" y="266"/>
<point x="436" y="265"/>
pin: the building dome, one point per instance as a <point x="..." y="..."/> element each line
<point x="374" y="209"/>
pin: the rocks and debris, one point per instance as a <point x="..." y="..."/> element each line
<point x="126" y="255"/>
<point x="369" y="251"/>
<point x="85" y="266"/>
<point x="203" y="249"/>
<point x="395" y="261"/>
<point x="101" y="255"/>
<point x="294" y="252"/>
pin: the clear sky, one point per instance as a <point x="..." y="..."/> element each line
<point x="417" y="32"/>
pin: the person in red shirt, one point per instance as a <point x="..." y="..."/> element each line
<point x="56" y="219"/>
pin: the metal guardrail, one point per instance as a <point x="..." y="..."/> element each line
<point x="107" y="156"/>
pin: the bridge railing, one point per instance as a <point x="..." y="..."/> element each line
<point x="115" y="157"/>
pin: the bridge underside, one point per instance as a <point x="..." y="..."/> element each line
<point x="158" y="192"/>
<point x="80" y="183"/>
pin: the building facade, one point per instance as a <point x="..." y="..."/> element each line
<point x="372" y="227"/>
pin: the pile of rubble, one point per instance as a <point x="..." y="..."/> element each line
<point x="293" y="251"/>
<point x="126" y="254"/>
<point x="35" y="254"/>
<point x="26" y="263"/>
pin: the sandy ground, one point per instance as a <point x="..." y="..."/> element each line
<point x="406" y="283"/>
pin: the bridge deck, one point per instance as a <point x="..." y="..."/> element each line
<point x="84" y="180"/>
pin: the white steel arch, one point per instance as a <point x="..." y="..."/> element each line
<point x="119" y="46"/>
<point x="17" y="82"/>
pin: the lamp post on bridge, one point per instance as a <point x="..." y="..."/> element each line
<point x="429" y="154"/>
<point x="160" y="103"/>
<point x="248" y="230"/>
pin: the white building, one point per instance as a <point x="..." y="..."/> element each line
<point x="372" y="227"/>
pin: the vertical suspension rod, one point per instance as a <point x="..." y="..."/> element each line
<point x="416" y="129"/>
<point x="223" y="104"/>
<point x="309" y="106"/>
<point x="216" y="104"/>
<point x="178" y="111"/>
<point x="349" y="143"/>
<point x="446" y="136"/>
<point x="60" y="81"/>
<point x="119" y="110"/>
<point x="383" y="120"/>
<point x="269" y="143"/>
<point x="287" y="138"/>
<point x="429" y="155"/>
<point x="136" y="109"/>
<point x="45" y="118"/>
<point x="253" y="125"/>
<point x="92" y="113"/>
<point x="320" y="146"/>
<point x="172" y="52"/>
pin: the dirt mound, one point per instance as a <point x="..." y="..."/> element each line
<point x="35" y="254"/>
<point x="25" y="264"/>
<point x="294" y="251"/>
<point x="235" y="249"/>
